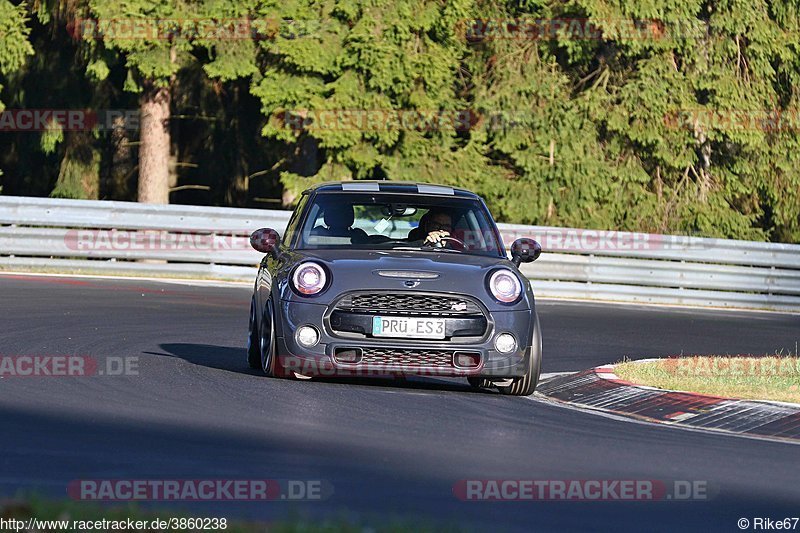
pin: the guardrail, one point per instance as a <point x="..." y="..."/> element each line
<point x="176" y="240"/>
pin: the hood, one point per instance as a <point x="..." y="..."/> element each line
<point x="402" y="270"/>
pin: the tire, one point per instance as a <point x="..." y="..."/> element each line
<point x="266" y="344"/>
<point x="526" y="385"/>
<point x="253" y="352"/>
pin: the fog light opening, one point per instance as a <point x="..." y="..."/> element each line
<point x="307" y="336"/>
<point x="347" y="355"/>
<point x="466" y="359"/>
<point x="505" y="343"/>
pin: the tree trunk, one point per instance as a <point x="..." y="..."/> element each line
<point x="154" y="146"/>
<point x="239" y="186"/>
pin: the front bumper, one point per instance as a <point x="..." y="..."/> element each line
<point x="321" y="359"/>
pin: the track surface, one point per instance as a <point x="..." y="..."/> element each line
<point x="196" y="411"/>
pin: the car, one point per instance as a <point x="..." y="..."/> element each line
<point x="384" y="278"/>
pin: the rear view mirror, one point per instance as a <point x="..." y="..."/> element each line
<point x="265" y="240"/>
<point x="525" y="250"/>
<point x="398" y="210"/>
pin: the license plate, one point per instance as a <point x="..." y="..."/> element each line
<point x="420" y="328"/>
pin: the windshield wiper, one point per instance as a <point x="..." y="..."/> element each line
<point x="425" y="249"/>
<point x="445" y="250"/>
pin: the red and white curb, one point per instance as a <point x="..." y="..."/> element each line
<point x="600" y="389"/>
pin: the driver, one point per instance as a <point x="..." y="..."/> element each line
<point x="434" y="225"/>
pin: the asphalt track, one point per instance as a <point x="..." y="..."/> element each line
<point x="388" y="449"/>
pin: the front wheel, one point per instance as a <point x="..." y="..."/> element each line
<point x="253" y="348"/>
<point x="266" y="342"/>
<point x="525" y="385"/>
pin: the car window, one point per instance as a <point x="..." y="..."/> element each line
<point x="391" y="221"/>
<point x="294" y="221"/>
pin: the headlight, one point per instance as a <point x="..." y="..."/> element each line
<point x="309" y="278"/>
<point x="505" y="286"/>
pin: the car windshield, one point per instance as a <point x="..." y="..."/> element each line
<point x="396" y="221"/>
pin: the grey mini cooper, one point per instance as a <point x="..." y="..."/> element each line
<point x="387" y="278"/>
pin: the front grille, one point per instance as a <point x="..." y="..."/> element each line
<point x="410" y="304"/>
<point x="407" y="358"/>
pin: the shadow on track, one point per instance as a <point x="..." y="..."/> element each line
<point x="232" y="359"/>
<point x="227" y="358"/>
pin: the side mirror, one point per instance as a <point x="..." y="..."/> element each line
<point x="265" y="240"/>
<point x="525" y="250"/>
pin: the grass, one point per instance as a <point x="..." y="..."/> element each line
<point x="48" y="510"/>
<point x="751" y="378"/>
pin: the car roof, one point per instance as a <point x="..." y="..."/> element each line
<point x="387" y="186"/>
